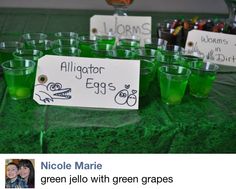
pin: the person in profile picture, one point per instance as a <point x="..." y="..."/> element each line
<point x="26" y="171"/>
<point x="13" y="180"/>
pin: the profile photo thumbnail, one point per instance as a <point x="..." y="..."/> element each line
<point x="19" y="173"/>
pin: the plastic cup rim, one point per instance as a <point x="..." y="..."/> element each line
<point x="202" y="69"/>
<point x="18" y="69"/>
<point x="188" y="71"/>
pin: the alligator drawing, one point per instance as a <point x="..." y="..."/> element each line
<point x="48" y="93"/>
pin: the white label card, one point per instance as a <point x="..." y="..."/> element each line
<point x="140" y="26"/>
<point x="216" y="47"/>
<point x="87" y="82"/>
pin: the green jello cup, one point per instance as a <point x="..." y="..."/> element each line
<point x="34" y="36"/>
<point x="202" y="78"/>
<point x="42" y="45"/>
<point x="7" y="48"/>
<point x="148" y="55"/>
<point x="147" y="70"/>
<point x="19" y="76"/>
<point x="129" y="41"/>
<point x="187" y="60"/>
<point x="65" y="43"/>
<point x="28" y="54"/>
<point x="173" y="81"/>
<point x="84" y="45"/>
<point x="66" y="51"/>
<point x="121" y="53"/>
<point x="66" y="35"/>
<point x="106" y="39"/>
<point x="170" y="54"/>
<point x="101" y="50"/>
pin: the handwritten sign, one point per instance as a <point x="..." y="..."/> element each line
<point x="87" y="82"/>
<point x="122" y="26"/>
<point x="216" y="47"/>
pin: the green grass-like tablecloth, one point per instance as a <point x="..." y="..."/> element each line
<point x="194" y="126"/>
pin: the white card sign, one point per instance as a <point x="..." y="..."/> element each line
<point x="87" y="82"/>
<point x="216" y="47"/>
<point x="140" y="26"/>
